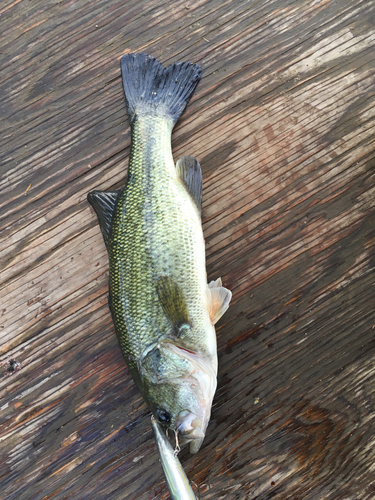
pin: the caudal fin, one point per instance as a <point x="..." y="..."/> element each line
<point x="151" y="89"/>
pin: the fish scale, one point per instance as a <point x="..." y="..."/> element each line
<point x="156" y="231"/>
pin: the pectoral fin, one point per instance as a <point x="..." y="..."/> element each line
<point x="218" y="299"/>
<point x="104" y="202"/>
<point x="174" y="304"/>
<point x="190" y="174"/>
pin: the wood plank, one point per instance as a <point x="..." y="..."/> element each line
<point x="283" y="123"/>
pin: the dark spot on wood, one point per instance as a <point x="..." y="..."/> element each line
<point x="13" y="365"/>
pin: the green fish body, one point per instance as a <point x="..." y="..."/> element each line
<point x="162" y="307"/>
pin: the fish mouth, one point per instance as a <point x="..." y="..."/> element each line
<point x="191" y="425"/>
<point x="189" y="428"/>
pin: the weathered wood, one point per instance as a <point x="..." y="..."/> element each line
<point x="283" y="126"/>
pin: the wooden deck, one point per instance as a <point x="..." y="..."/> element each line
<point x="283" y="123"/>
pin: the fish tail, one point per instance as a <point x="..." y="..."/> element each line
<point x="151" y="89"/>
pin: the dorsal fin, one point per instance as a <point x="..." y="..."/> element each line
<point x="174" y="304"/>
<point x="104" y="202"/>
<point x="218" y="299"/>
<point x="190" y="174"/>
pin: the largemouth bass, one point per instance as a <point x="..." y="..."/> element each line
<point x="162" y="307"/>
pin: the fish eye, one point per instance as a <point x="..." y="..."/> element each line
<point x="163" y="416"/>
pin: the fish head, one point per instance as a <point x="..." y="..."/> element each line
<point x="180" y="385"/>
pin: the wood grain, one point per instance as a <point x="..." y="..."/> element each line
<point x="283" y="123"/>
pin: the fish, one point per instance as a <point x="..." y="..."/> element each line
<point x="163" y="309"/>
<point x="177" y="482"/>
